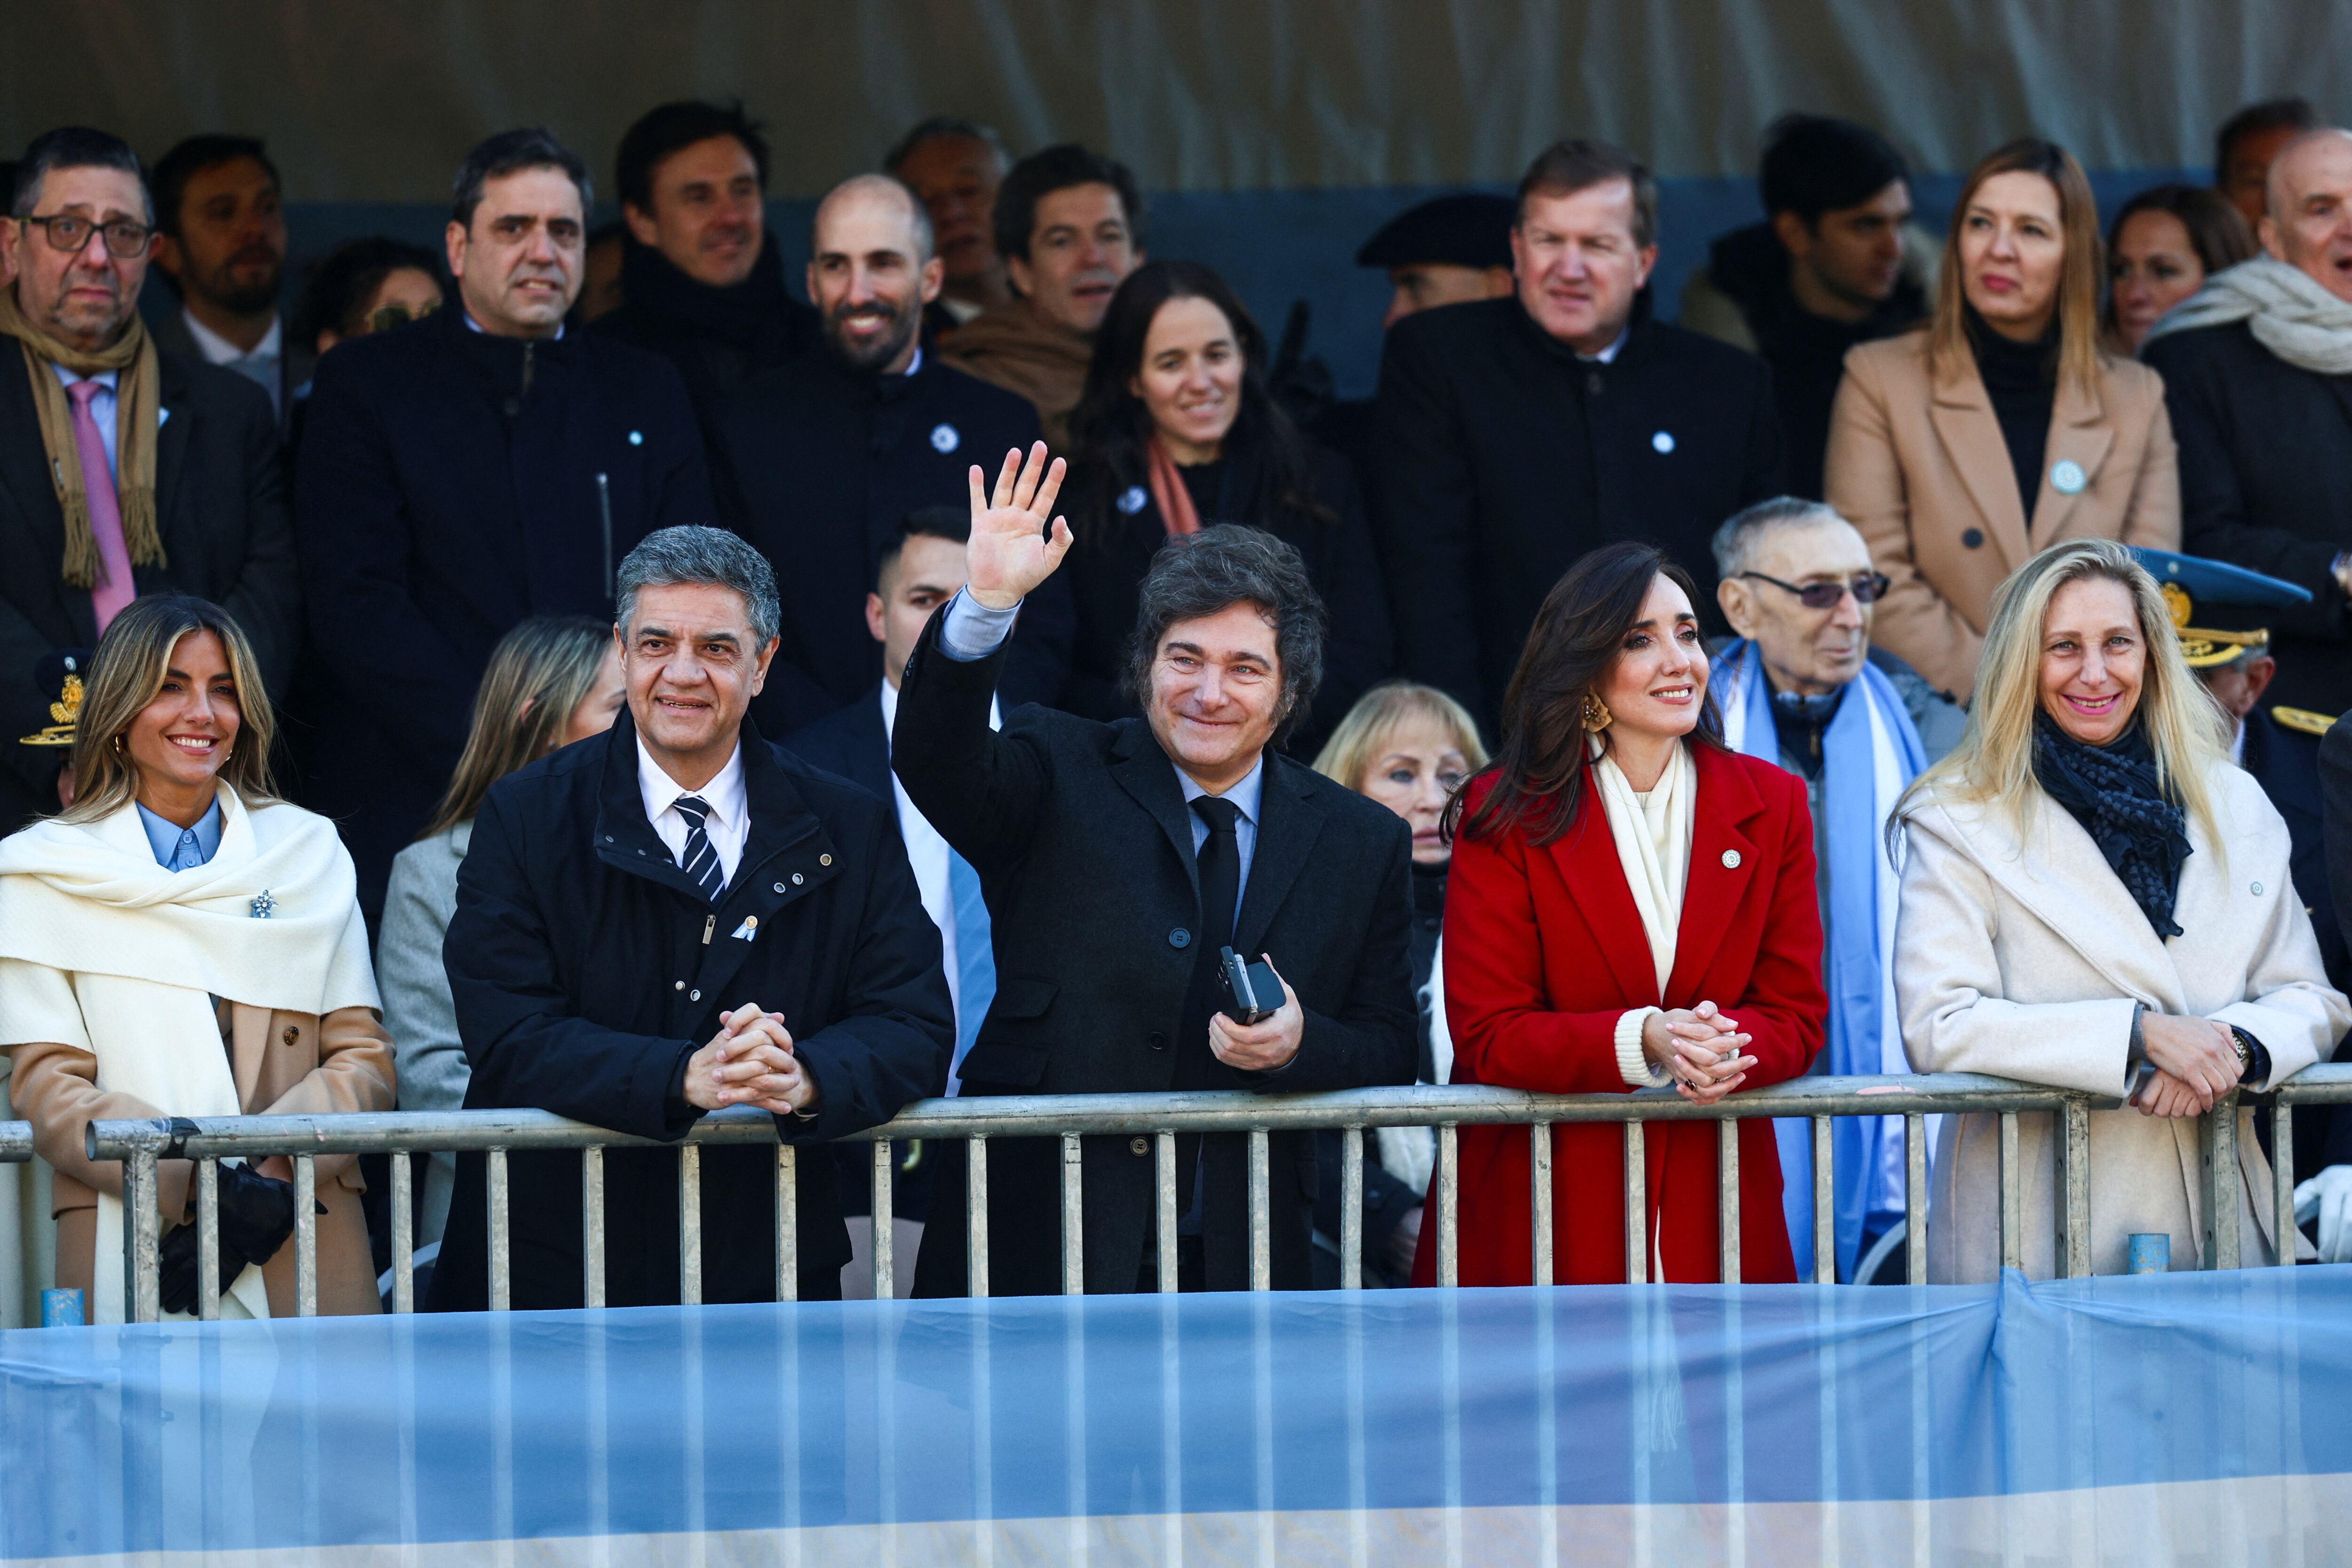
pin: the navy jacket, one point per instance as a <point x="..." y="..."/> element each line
<point x="452" y="484"/>
<point x="586" y="967"/>
<point x="1084" y="846"/>
<point x="1501" y="457"/>
<point x="221" y="508"/>
<point x="822" y="462"/>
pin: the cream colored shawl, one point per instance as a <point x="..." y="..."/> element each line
<point x="1653" y="834"/>
<point x="103" y="949"/>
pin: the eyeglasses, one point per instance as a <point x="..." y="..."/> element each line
<point x="69" y="232"/>
<point x="1867" y="589"/>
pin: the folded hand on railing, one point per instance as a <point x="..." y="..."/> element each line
<point x="751" y="1061"/>
<point x="257" y="1215"/>
<point x="1700" y="1047"/>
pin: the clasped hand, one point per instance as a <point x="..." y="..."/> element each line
<point x="1262" y="1046"/>
<point x="1700" y="1047"/>
<point x="1013" y="549"/>
<point x="2196" y="1063"/>
<point x="751" y="1061"/>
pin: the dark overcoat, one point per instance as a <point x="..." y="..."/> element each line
<point x="2266" y="483"/>
<point x="586" y="967"/>
<point x="1084" y="846"/>
<point x="450" y="484"/>
<point x="1501" y="457"/>
<point x="822" y="462"/>
<point x="221" y="509"/>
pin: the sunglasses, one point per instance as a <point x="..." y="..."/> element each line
<point x="1867" y="589"/>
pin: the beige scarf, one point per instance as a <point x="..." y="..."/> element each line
<point x="102" y="948"/>
<point x="1653" y="834"/>
<point x="137" y="394"/>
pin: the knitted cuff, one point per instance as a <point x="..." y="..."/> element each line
<point x="1631" y="1065"/>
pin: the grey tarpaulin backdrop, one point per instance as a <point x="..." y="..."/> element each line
<point x="1285" y="128"/>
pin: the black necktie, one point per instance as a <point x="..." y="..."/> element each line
<point x="1219" y="861"/>
<point x="699" y="859"/>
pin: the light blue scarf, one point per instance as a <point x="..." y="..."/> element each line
<point x="1869" y="753"/>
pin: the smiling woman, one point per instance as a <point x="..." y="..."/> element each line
<point x="241" y="915"/>
<point x="2094" y="898"/>
<point x="1632" y="904"/>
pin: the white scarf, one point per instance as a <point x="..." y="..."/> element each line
<point x="1653" y="834"/>
<point x="2290" y="312"/>
<point x="143" y="952"/>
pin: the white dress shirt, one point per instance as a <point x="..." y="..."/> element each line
<point x="262" y="364"/>
<point x="728" y="821"/>
<point x="927" y="853"/>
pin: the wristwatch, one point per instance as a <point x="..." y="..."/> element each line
<point x="2247" y="1046"/>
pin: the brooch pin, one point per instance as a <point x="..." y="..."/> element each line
<point x="262" y="905"/>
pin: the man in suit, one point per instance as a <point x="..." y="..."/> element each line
<point x="921" y="569"/>
<point x="461" y="473"/>
<point x="822" y="457"/>
<point x="222" y="248"/>
<point x="1118" y="861"/>
<point x="2256" y="380"/>
<point x="672" y="918"/>
<point x="123" y="471"/>
<point x="1513" y="435"/>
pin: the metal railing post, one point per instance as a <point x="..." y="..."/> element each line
<point x="1073" y="1217"/>
<point x="1824" y="1204"/>
<point x="1539" y="1201"/>
<point x="2218" y="1152"/>
<point x="1726" y="1197"/>
<point x="1637" y="1207"/>
<point x="2012" y="1200"/>
<point x="689" y="1224"/>
<point x="1914" y="1198"/>
<point x="306" y="1237"/>
<point x="884" y="1165"/>
<point x="1449" y="1198"/>
<point x="592" y="1227"/>
<point x="2283" y="1226"/>
<point x="975" y="1217"/>
<point x="1261" y="1250"/>
<point x="142" y="1247"/>
<point x="208" y="1280"/>
<point x="404" y="1233"/>
<point x="788" y="1223"/>
<point x="494" y="1183"/>
<point x="1351" y="1209"/>
<point x="2075" y="1186"/>
<point x="1164" y="1178"/>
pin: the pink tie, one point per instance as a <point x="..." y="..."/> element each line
<point x="115" y="589"/>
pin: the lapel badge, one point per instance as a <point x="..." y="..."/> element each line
<point x="2066" y="476"/>
<point x="1731" y="860"/>
<point x="263" y="905"/>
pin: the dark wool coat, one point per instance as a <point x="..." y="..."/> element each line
<point x="221" y="509"/>
<point x="1084" y="847"/>
<point x="2266" y="483"/>
<point x="452" y="484"/>
<point x="586" y="967"/>
<point x="1502" y="457"/>
<point x="822" y="462"/>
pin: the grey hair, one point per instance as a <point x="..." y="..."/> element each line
<point x="1202" y="574"/>
<point x="1734" y="542"/>
<point x="940" y="127"/>
<point x="918" y="215"/>
<point x="705" y="556"/>
<point x="74" y="147"/>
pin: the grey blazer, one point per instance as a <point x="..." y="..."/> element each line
<point x="430" y="1060"/>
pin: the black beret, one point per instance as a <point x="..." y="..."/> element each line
<point x="1466" y="230"/>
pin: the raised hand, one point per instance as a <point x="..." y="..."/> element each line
<point x="1013" y="549"/>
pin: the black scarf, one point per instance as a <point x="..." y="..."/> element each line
<point x="752" y="316"/>
<point x="2112" y="791"/>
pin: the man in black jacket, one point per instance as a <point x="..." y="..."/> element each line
<point x="461" y="473"/>
<point x="2258" y="380"/>
<point x="677" y="917"/>
<point x="702" y="282"/>
<point x="825" y="457"/>
<point x="192" y="503"/>
<point x="1513" y="435"/>
<point x="1118" y="861"/>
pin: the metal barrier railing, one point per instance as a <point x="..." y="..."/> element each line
<point x="496" y="1133"/>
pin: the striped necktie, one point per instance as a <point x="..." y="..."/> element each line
<point x="699" y="859"/>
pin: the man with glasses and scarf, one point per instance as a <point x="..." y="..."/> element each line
<point x="1800" y="685"/>
<point x="123" y="471"/>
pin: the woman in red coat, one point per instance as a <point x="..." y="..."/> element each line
<point x="1632" y="904"/>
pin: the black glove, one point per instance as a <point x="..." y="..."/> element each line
<point x="257" y="1215"/>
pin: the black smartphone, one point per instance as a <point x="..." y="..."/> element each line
<point x="1252" y="992"/>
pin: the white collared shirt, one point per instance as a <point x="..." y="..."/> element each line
<point x="731" y="817"/>
<point x="1607" y="356"/>
<point x="259" y="364"/>
<point x="927" y="851"/>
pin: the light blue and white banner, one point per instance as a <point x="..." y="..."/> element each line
<point x="2189" y="1418"/>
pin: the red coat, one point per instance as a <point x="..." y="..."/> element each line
<point x="1544" y="951"/>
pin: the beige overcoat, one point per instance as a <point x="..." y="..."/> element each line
<point x="2018" y="954"/>
<point x="1917" y="463"/>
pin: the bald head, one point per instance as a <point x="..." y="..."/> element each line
<point x="2308" y="224"/>
<point x="871" y="271"/>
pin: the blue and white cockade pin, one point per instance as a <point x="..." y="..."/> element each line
<point x="945" y="438"/>
<point x="1131" y="500"/>
<point x="262" y="905"/>
<point x="2066" y="476"/>
<point x="1662" y="442"/>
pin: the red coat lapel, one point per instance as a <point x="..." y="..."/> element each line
<point x="1723" y="862"/>
<point x="1598" y="891"/>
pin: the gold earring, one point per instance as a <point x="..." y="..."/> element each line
<point x="1597" y="716"/>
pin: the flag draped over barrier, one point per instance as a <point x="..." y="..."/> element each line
<point x="2189" y="1416"/>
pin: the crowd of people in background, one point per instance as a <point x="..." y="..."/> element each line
<point x="678" y="691"/>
